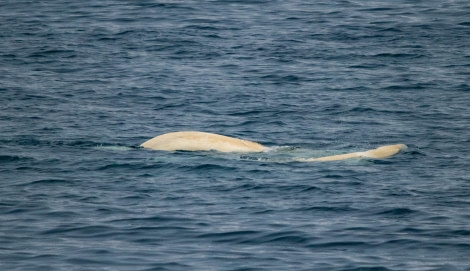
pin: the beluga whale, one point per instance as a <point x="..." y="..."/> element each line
<point x="203" y="141"/>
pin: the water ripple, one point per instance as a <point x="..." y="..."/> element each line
<point x="83" y="84"/>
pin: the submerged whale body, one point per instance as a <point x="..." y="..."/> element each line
<point x="201" y="141"/>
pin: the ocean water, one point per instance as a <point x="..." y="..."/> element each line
<point x="84" y="83"/>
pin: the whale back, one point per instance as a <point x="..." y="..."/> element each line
<point x="201" y="141"/>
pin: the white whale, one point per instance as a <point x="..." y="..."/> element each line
<point x="201" y="141"/>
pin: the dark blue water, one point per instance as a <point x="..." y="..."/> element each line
<point x="83" y="83"/>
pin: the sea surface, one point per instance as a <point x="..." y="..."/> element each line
<point x="84" y="83"/>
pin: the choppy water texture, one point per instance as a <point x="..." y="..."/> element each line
<point x="83" y="83"/>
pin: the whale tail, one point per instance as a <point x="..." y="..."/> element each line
<point x="385" y="151"/>
<point x="378" y="153"/>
